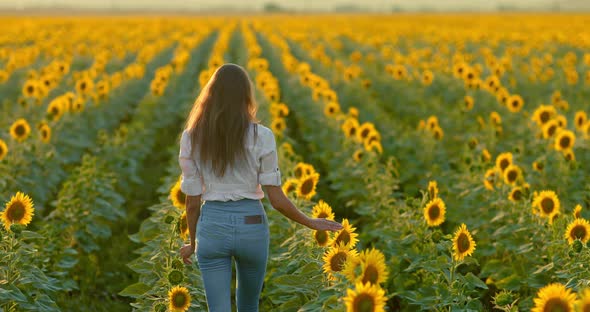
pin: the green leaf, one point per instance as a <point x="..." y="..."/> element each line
<point x="475" y="281"/>
<point x="135" y="290"/>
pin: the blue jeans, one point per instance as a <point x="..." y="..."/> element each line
<point x="221" y="235"/>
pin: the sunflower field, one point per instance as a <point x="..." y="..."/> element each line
<point x="453" y="148"/>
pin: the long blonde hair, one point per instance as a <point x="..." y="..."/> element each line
<point x="220" y="117"/>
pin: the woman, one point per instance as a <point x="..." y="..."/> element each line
<point x="226" y="158"/>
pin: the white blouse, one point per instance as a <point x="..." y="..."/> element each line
<point x="244" y="180"/>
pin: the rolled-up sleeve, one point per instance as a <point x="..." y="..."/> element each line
<point x="190" y="181"/>
<point x="269" y="173"/>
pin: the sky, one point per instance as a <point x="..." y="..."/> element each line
<point x="295" y="4"/>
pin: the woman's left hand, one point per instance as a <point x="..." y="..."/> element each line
<point x="186" y="251"/>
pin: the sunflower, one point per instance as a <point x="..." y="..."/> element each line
<point x="358" y="155"/>
<point x="177" y="196"/>
<point x="434" y="212"/>
<point x="45" y="132"/>
<point x="331" y="109"/>
<point x="432" y="190"/>
<point x="503" y="161"/>
<point x="490" y="178"/>
<point x="580" y="119"/>
<point x="353" y="112"/>
<point x="20" y="130"/>
<point x="543" y="114"/>
<point x="578" y="229"/>
<point x="515" y="194"/>
<point x="365" y="297"/>
<point x="554" y="297"/>
<point x="19" y="210"/>
<point x="463" y="243"/>
<point x="183" y="226"/>
<point x="512" y="174"/>
<point x="564" y="140"/>
<point x="180" y="299"/>
<point x="30" y="89"/>
<point x="364" y="130"/>
<point x="290" y="185"/>
<point x="538" y="166"/>
<point x="306" y="186"/>
<point x="299" y="170"/>
<point x="547" y="203"/>
<point x="373" y="145"/>
<point x="350" y="128"/>
<point x="584" y="302"/>
<point x="352" y="269"/>
<point x="78" y="105"/>
<point x="438" y="133"/>
<point x="431" y="122"/>
<point x="278" y="125"/>
<point x="84" y="86"/>
<point x="373" y="267"/>
<point x="55" y="109"/>
<point x="322" y="210"/>
<point x="427" y="77"/>
<point x="335" y="258"/>
<point x="569" y="155"/>
<point x="3" y="149"/>
<point x="515" y="103"/>
<point x="495" y="119"/>
<point x="578" y="211"/>
<point x="550" y="128"/>
<point x="468" y="103"/>
<point x="485" y="155"/>
<point x="346" y="236"/>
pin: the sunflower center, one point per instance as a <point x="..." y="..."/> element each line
<point x="517" y="195"/>
<point x="364" y="303"/>
<point x="434" y="212"/>
<point x="547" y="205"/>
<point x="344" y="237"/>
<point x="16" y="211"/>
<point x="564" y="142"/>
<point x="322" y="214"/>
<point x="83" y="86"/>
<point x="544" y="117"/>
<point x="514" y="103"/>
<point x="463" y="243"/>
<point x="371" y="275"/>
<point x="290" y="188"/>
<point x="512" y="174"/>
<point x="30" y="89"/>
<point x="306" y="186"/>
<point x="578" y="232"/>
<point x="44" y="133"/>
<point x="580" y="121"/>
<point x="179" y="300"/>
<point x="504" y="163"/>
<point x="298" y="172"/>
<point x="321" y="237"/>
<point x="352" y="131"/>
<point x="331" y="109"/>
<point x="337" y="261"/>
<point x="364" y="133"/>
<point x="551" y="130"/>
<point x="556" y="305"/>
<point x="19" y="130"/>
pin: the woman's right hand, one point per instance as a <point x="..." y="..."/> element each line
<point x="322" y="224"/>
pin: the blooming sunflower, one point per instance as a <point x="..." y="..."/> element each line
<point x="554" y="297"/>
<point x="468" y="103"/>
<point x="306" y="186"/>
<point x="538" y="166"/>
<point x="278" y="125"/>
<point x="515" y="194"/>
<point x="373" y="267"/>
<point x="578" y="211"/>
<point x="564" y="140"/>
<point x="55" y="109"/>
<point x="84" y="86"/>
<point x="503" y="161"/>
<point x="434" y="212"/>
<point x="547" y="203"/>
<point x="569" y="155"/>
<point x="512" y="174"/>
<point x="490" y="178"/>
<point x="180" y="299"/>
<point x="353" y="112"/>
<point x="3" y="149"/>
<point x="322" y="238"/>
<point x="543" y="114"/>
<point x="584" y="303"/>
<point x="335" y="258"/>
<point x="45" y="132"/>
<point x="515" y="103"/>
<point x="30" y="89"/>
<point x="352" y="269"/>
<point x="78" y="105"/>
<point x="322" y="210"/>
<point x="463" y="243"/>
<point x="485" y="155"/>
<point x="432" y="190"/>
<point x="290" y="185"/>
<point x="20" y="130"/>
<point x="438" y="133"/>
<point x="346" y="236"/>
<point x="578" y="229"/>
<point x="580" y="119"/>
<point x="374" y="145"/>
<point x="300" y="170"/>
<point x="331" y="109"/>
<point x="550" y="128"/>
<point x="365" y="297"/>
<point x="177" y="196"/>
<point x="358" y="155"/>
<point x="364" y="130"/>
<point x="183" y="226"/>
<point x="19" y="210"/>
